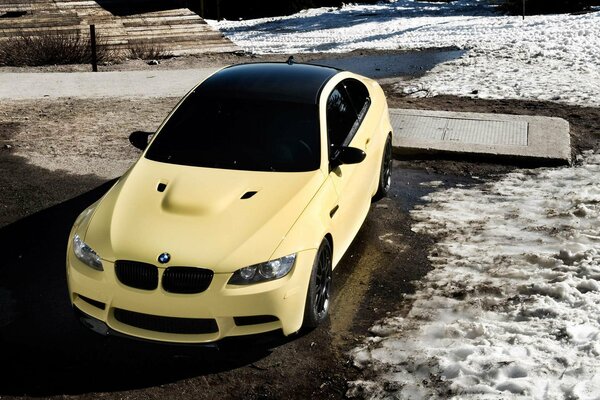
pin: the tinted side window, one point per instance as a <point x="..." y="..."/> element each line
<point x="341" y="116"/>
<point x="358" y="94"/>
<point x="347" y="105"/>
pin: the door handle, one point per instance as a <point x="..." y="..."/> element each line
<point x="367" y="143"/>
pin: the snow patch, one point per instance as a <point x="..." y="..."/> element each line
<point x="433" y="184"/>
<point x="512" y="306"/>
<point x="550" y="57"/>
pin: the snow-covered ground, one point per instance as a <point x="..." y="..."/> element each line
<point x="512" y="306"/>
<point x="553" y="57"/>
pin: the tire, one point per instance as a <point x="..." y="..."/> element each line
<point x="385" y="173"/>
<point x="319" y="288"/>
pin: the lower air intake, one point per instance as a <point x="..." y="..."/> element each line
<point x="184" y="326"/>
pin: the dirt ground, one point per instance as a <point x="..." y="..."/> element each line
<point x="57" y="157"/>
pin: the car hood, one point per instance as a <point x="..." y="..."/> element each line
<point x="200" y="218"/>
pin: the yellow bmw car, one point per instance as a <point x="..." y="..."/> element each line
<point x="238" y="210"/>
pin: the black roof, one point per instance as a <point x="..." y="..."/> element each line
<point x="299" y="83"/>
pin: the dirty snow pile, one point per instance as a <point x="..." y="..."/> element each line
<point x="511" y="308"/>
<point x="552" y="57"/>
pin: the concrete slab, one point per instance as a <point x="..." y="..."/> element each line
<point x="519" y="138"/>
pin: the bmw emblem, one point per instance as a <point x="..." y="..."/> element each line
<point x="164" y="258"/>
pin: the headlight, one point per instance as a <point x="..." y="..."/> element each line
<point x="85" y="254"/>
<point x="262" y="272"/>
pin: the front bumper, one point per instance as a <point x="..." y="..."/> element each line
<point x="224" y="310"/>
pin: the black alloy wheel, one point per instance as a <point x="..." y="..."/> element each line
<point x="319" y="288"/>
<point x="385" y="175"/>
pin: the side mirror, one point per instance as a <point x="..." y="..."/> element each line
<point x="348" y="155"/>
<point x="140" y="139"/>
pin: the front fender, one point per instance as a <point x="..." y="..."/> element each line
<point x="313" y="224"/>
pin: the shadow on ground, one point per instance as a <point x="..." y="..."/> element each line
<point x="45" y="351"/>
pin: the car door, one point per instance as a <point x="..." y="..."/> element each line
<point x="347" y="106"/>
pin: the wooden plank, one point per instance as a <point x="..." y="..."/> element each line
<point x="142" y="30"/>
<point x="14" y="34"/>
<point x="169" y="41"/>
<point x="185" y="20"/>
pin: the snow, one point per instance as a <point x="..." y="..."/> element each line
<point x="552" y="57"/>
<point x="512" y="305"/>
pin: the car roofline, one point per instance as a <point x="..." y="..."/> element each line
<point x="295" y="82"/>
<point x="284" y="62"/>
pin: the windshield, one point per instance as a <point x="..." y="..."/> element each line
<point x="240" y="133"/>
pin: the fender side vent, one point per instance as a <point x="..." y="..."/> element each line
<point x="247" y="195"/>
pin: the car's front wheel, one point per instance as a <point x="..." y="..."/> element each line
<point x="385" y="174"/>
<point x="319" y="288"/>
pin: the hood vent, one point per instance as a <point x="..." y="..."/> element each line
<point x="247" y="195"/>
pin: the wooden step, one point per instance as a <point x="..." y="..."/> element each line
<point x="163" y="14"/>
<point x="142" y="30"/>
<point x="178" y="30"/>
<point x="170" y="39"/>
<point x="7" y="33"/>
<point x="183" y="20"/>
